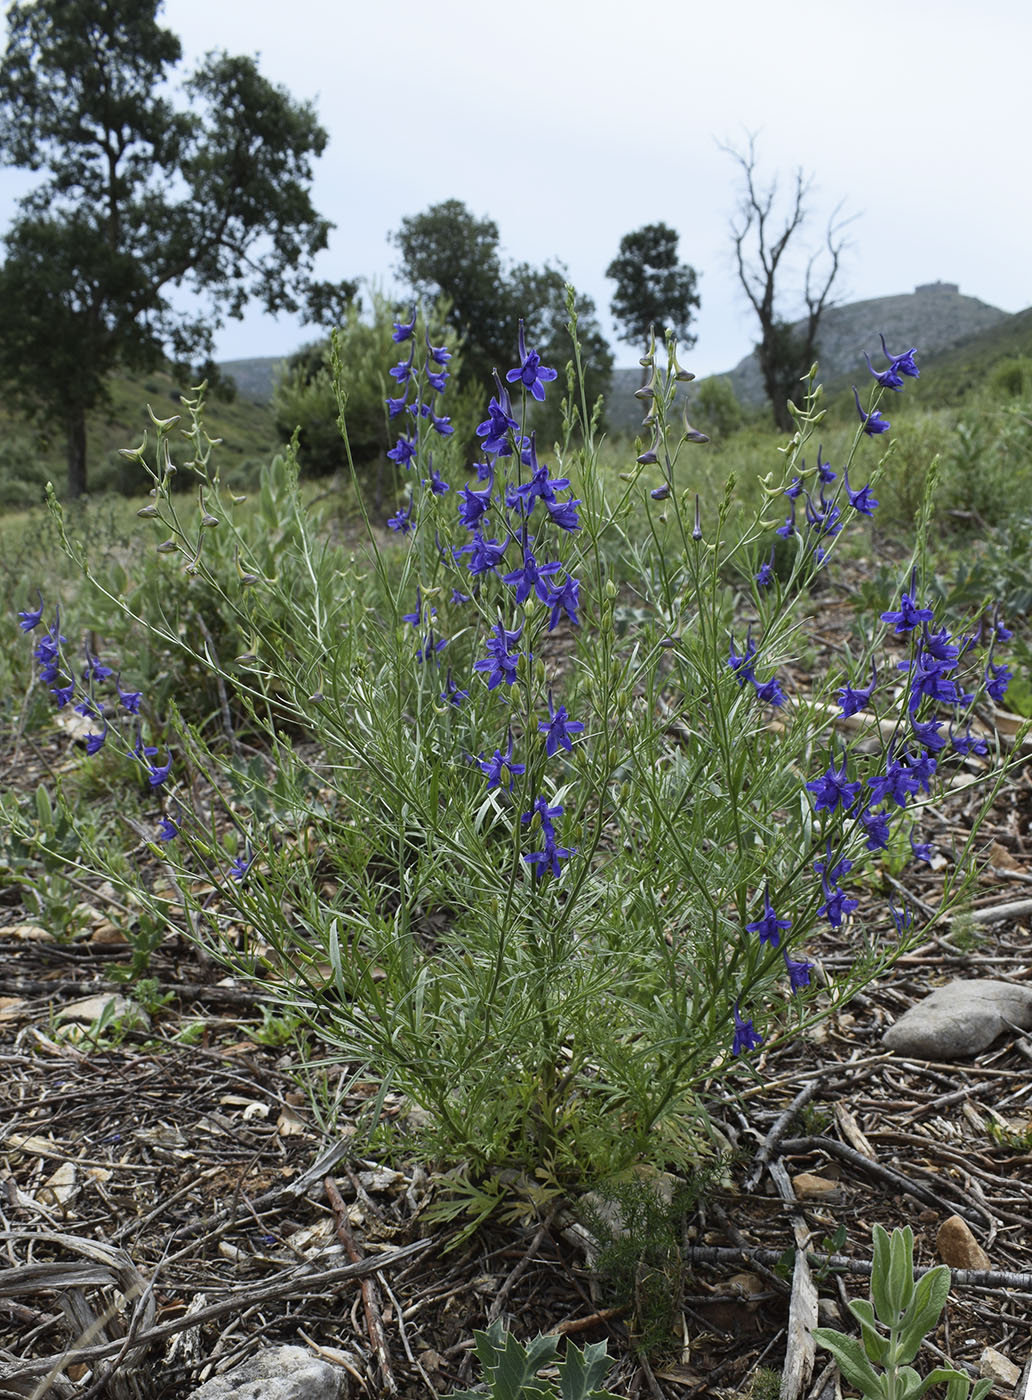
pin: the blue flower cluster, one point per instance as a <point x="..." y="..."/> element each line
<point x="513" y="512"/>
<point x="56" y="672"/>
<point x="425" y="384"/>
<point x="942" y="680"/>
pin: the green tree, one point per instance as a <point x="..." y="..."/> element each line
<point x="447" y="252"/>
<point x="140" y="198"/>
<point x="652" y="287"/>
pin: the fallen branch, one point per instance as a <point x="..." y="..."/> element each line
<point x="759" y="1254"/>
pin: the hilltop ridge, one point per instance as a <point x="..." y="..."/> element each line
<point x="936" y="316"/>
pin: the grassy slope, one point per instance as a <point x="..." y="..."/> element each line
<point x="247" y="430"/>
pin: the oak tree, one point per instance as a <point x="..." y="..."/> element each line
<point x="142" y="197"/>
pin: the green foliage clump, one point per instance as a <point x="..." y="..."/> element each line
<point x="306" y="397"/>
<point x="715" y="407"/>
<point x="511" y="1369"/>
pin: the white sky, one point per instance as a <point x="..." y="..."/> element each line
<point x="572" y="123"/>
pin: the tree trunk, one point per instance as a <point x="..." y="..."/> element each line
<point x="75" y="427"/>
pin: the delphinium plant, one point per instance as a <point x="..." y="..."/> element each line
<point x="547" y="877"/>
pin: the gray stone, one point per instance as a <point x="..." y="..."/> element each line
<point x="957" y="1021"/>
<point x="278" y="1373"/>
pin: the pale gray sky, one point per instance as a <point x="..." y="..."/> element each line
<point x="572" y="123"/>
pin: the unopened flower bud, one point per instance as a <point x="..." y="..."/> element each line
<point x="611" y="589"/>
<point x="168" y="546"/>
<point x="147" y="512"/>
<point x="697" y="531"/>
<point x="209" y="521"/>
<point x="660" y="493"/>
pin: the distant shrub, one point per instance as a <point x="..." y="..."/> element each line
<point x="1011" y="378"/>
<point x="305" y="397"/>
<point x="715" y="407"/>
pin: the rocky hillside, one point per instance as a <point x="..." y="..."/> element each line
<point x="935" y="317"/>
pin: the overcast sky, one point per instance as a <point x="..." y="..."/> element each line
<point x="570" y="124"/>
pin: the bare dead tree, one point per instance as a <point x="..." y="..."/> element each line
<point x="786" y="351"/>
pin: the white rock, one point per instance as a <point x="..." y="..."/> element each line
<point x="278" y="1373"/>
<point x="998" y="1368"/>
<point x="960" y="1019"/>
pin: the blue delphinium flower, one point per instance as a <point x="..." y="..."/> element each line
<point x="558" y="728"/>
<point x="395" y="406"/>
<point x="873" y="423"/>
<point x="530" y="372"/>
<point x="876" y="828"/>
<point x="968" y="743"/>
<point x="62" y="694"/>
<point x="907" y="616"/>
<point x="158" y="774"/>
<point x="768" y="692"/>
<point x="997" y="679"/>
<point x="167" y="831"/>
<point x="798" y="972"/>
<point x="921" y="851"/>
<point x="403" y="452"/>
<point x="497" y="425"/>
<point x="896" y="784"/>
<point x="862" y="501"/>
<point x="901" y="918"/>
<point x="824" y="471"/>
<point x="431" y="646"/>
<point x="500" y="662"/>
<point x="492" y="767"/>
<point x="436" y="482"/>
<point x="129" y="699"/>
<point x="927" y="733"/>
<point x="830" y="868"/>
<point x="451" y="694"/>
<point x="402" y="371"/>
<point x="28" y="620"/>
<point x="768" y="926"/>
<point x="902" y="364"/>
<point x="853" y="699"/>
<point x="553" y="853"/>
<point x="836" y="903"/>
<point x="474" y="505"/>
<point x="403" y="329"/>
<point x="484" y="555"/>
<point x="741" y="662"/>
<point x="833" y="790"/>
<point x="887" y="378"/>
<point x="95" y="742"/>
<point x="241" y="865"/>
<point x="564" y="514"/>
<point x="401" y="521"/>
<point x="745" y="1037"/>
<point x="531" y="577"/>
<point x="440" y="354"/>
<point x="765" y="573"/>
<point x="787" y="530"/>
<point x="564" y="599"/>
